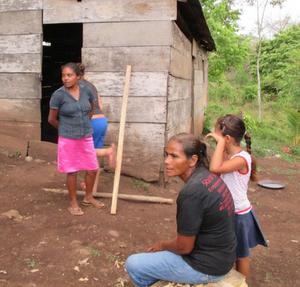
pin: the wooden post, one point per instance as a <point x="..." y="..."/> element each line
<point x="120" y="142"/>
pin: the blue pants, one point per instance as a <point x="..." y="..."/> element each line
<point x="145" y="269"/>
<point x="99" y="131"/>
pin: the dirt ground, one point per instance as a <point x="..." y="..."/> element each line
<point x="41" y="244"/>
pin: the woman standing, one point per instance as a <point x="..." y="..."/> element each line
<point x="99" y="124"/>
<point x="204" y="248"/>
<point x="71" y="108"/>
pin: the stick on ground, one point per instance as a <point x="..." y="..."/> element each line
<point x="140" y="198"/>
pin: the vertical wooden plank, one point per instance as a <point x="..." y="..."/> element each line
<point x="120" y="142"/>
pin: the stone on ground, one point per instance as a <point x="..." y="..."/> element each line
<point x="232" y="279"/>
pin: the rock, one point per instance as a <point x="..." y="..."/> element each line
<point x="37" y="160"/>
<point x="28" y="158"/>
<point x="232" y="279"/>
<point x="13" y="214"/>
<point x="114" y="233"/>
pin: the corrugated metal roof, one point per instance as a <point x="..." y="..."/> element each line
<point x="192" y="21"/>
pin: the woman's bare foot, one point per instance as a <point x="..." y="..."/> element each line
<point x="112" y="156"/>
<point x="92" y="201"/>
<point x="75" y="210"/>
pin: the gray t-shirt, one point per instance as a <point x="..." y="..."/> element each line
<point x="97" y="110"/>
<point x="74" y="121"/>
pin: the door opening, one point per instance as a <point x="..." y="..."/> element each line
<point x="62" y="43"/>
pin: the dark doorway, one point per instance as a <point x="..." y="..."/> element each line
<point x="62" y="43"/>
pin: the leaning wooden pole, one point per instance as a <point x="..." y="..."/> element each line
<point x="113" y="209"/>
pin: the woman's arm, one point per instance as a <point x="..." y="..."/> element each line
<point x="100" y="103"/>
<point x="52" y="118"/>
<point x="180" y="245"/>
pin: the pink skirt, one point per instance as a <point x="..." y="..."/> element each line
<point x="76" y="154"/>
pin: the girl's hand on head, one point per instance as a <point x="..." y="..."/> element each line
<point x="215" y="136"/>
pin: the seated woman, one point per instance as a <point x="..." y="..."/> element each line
<point x="203" y="250"/>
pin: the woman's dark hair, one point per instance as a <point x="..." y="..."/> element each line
<point x="192" y="146"/>
<point x="72" y="66"/>
<point x="81" y="68"/>
<point x="234" y="126"/>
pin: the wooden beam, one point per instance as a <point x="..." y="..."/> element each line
<point x="133" y="197"/>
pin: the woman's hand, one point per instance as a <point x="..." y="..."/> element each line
<point x="155" y="247"/>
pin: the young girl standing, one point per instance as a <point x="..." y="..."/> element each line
<point x="236" y="168"/>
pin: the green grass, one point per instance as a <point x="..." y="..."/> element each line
<point x="268" y="137"/>
<point x="94" y="252"/>
<point x="32" y="263"/>
<point x="137" y="183"/>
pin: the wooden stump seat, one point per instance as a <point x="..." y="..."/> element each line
<point x="232" y="279"/>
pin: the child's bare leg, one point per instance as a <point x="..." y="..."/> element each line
<point x="243" y="266"/>
<point x="95" y="187"/>
<point x="110" y="153"/>
<point x="112" y="156"/>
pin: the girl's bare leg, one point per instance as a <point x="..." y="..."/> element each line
<point x="243" y="266"/>
<point x="95" y="187"/>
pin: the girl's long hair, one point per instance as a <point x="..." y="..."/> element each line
<point x="234" y="126"/>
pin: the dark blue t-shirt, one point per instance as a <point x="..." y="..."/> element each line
<point x="205" y="209"/>
<point x="74" y="121"/>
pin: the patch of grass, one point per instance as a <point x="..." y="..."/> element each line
<point x="269" y="136"/>
<point x="137" y="183"/>
<point x="16" y="154"/>
<point x="32" y="263"/>
<point x="113" y="258"/>
<point x="94" y="252"/>
<point x="287" y="171"/>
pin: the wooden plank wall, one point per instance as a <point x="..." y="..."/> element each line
<point x="146" y="45"/>
<point x="20" y="67"/>
<point x="200" y="87"/>
<point x="67" y="11"/>
<point x="179" y="84"/>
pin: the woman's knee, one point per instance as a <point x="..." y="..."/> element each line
<point x="132" y="263"/>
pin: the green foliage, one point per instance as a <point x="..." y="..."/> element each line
<point x="280" y="65"/>
<point x="137" y="183"/>
<point x="231" y="48"/>
<point x="293" y="119"/>
<point x="233" y="86"/>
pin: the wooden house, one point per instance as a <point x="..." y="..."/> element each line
<point x="165" y="41"/>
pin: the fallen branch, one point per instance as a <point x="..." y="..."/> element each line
<point x="141" y="198"/>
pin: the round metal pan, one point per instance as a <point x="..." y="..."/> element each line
<point x="271" y="184"/>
